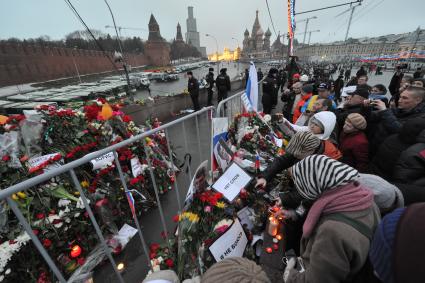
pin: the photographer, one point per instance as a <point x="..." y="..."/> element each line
<point x="389" y="121"/>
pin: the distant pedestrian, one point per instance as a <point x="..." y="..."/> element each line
<point x="270" y="91"/>
<point x="246" y="76"/>
<point x="361" y="72"/>
<point x="260" y="74"/>
<point x="193" y="88"/>
<point x="347" y="74"/>
<point x="210" y="80"/>
<point x="418" y="74"/>
<point x="223" y="85"/>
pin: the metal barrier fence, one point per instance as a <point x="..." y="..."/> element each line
<point x="69" y="168"/>
<point x="233" y="105"/>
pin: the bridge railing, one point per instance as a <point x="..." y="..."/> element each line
<point x="193" y="120"/>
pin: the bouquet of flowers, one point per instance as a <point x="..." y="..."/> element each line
<point x="34" y="144"/>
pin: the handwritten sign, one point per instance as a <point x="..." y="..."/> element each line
<point x="102" y="161"/>
<point x="231" y="244"/>
<point x="136" y="167"/>
<point x="232" y="181"/>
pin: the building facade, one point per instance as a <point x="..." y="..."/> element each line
<point x="192" y="34"/>
<point x="257" y="44"/>
<point x="157" y="49"/>
<point x="227" y="55"/>
<point x="389" y="47"/>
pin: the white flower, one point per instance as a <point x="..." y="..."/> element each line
<point x="1" y="278"/>
<point x="267" y="118"/>
<point x="76" y="215"/>
<point x="160" y="259"/>
<point x="80" y="203"/>
<point x="7" y="271"/>
<point x="63" y="202"/>
<point x="62" y="213"/>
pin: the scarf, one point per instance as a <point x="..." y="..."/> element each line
<point x="317" y="173"/>
<point x="347" y="198"/>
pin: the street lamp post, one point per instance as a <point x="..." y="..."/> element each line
<point x="124" y="64"/>
<point x="75" y="64"/>
<point x="237" y="41"/>
<point x="216" y="43"/>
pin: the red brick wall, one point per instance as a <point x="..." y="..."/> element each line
<point x="23" y="64"/>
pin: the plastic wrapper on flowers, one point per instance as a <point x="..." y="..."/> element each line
<point x="52" y="137"/>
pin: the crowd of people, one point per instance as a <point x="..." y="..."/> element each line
<point x="356" y="158"/>
<point x="357" y="154"/>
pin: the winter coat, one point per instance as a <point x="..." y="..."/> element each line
<point x="300" y="104"/>
<point x="355" y="150"/>
<point x="395" y="84"/>
<point x="335" y="251"/>
<point x="210" y="79"/>
<point x="387" y="156"/>
<point x="270" y="90"/>
<point x="222" y="83"/>
<point x="288" y="100"/>
<point x="390" y="122"/>
<point x="193" y="87"/>
<point x="410" y="168"/>
<point x="279" y="164"/>
<point x="331" y="150"/>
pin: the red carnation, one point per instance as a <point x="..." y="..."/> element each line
<point x="5" y="158"/>
<point x="152" y="255"/>
<point x="176" y="218"/>
<point x="81" y="261"/>
<point x="169" y="262"/>
<point x="47" y="243"/>
<point x="154" y="247"/>
<point x="36" y="232"/>
<point x="126" y="119"/>
<point x="40" y="216"/>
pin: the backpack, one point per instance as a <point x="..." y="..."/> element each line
<point x="366" y="273"/>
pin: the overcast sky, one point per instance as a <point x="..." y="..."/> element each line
<point x="222" y="18"/>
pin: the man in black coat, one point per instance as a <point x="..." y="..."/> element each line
<point x="270" y="91"/>
<point x="411" y="106"/>
<point x="260" y="74"/>
<point x="210" y="80"/>
<point x="355" y="104"/>
<point x="223" y="85"/>
<point x="361" y="72"/>
<point x="193" y="88"/>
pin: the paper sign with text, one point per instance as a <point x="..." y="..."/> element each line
<point x="102" y="161"/>
<point x="231" y="244"/>
<point x="35" y="161"/>
<point x="136" y="167"/>
<point x="231" y="182"/>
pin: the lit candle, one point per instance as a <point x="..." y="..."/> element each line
<point x="273" y="226"/>
<point x="75" y="251"/>
<point x="279" y="237"/>
<point x="120" y="267"/>
<point x="269" y="250"/>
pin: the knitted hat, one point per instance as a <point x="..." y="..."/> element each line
<point x="168" y="276"/>
<point x="357" y="120"/>
<point x="318" y="173"/>
<point x="384" y="193"/>
<point x="303" y="144"/>
<point x="211" y="69"/>
<point x="381" y="249"/>
<point x="235" y="269"/>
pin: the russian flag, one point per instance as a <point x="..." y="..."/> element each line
<point x="257" y="161"/>
<point x="251" y="92"/>
<point x="130" y="200"/>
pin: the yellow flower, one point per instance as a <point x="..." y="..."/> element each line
<point x="192" y="217"/>
<point x="220" y="204"/>
<point x="85" y="184"/>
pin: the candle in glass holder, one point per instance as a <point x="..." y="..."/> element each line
<point x="273" y="226"/>
<point x="279" y="237"/>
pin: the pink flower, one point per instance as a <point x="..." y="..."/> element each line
<point x="207" y="209"/>
<point x="222" y="229"/>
